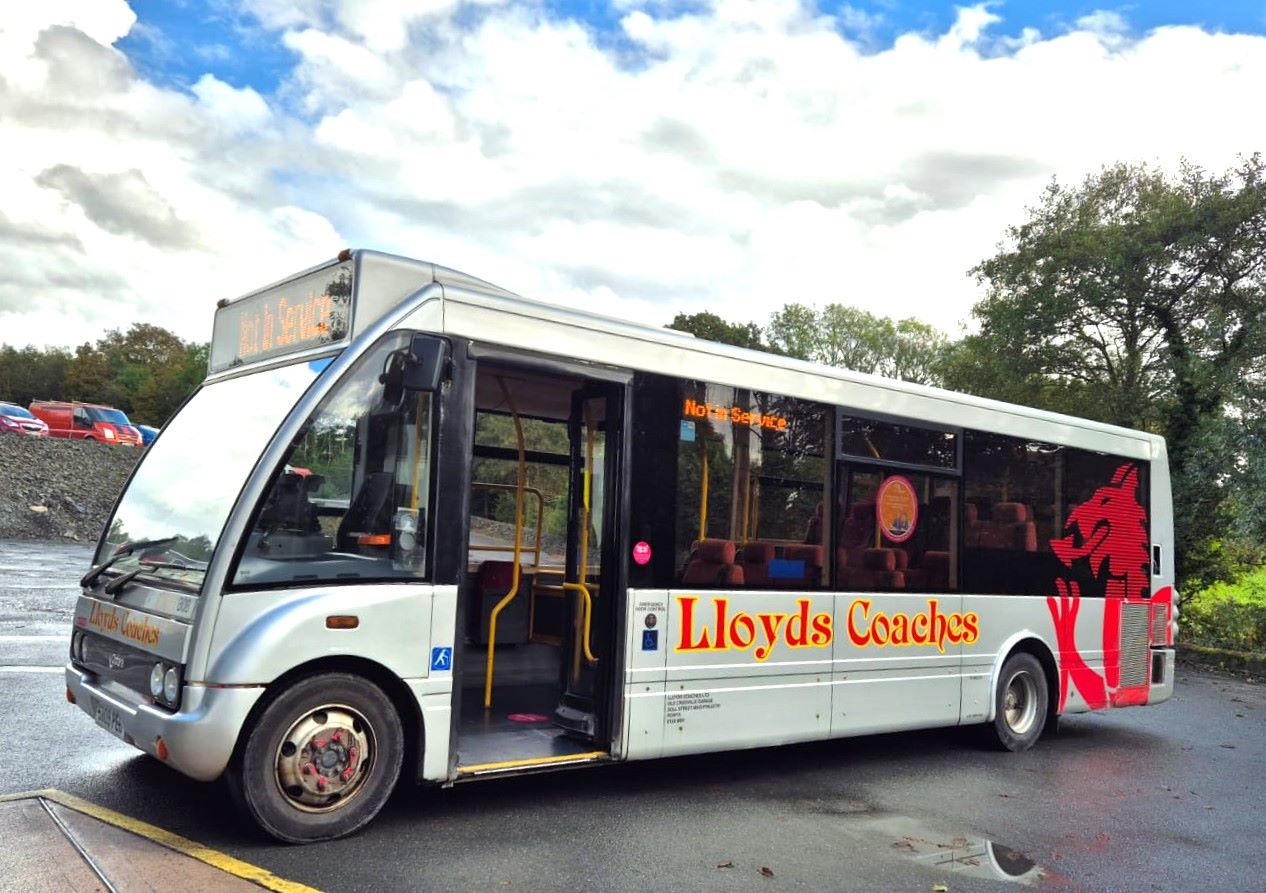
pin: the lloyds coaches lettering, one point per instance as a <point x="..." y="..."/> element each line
<point x="930" y="627"/>
<point x="761" y="630"/>
<point x="724" y="629"/>
<point x="124" y="623"/>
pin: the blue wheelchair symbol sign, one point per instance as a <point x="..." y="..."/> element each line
<point x="442" y="658"/>
<point x="650" y="640"/>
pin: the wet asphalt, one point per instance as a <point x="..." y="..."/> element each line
<point x="1166" y="798"/>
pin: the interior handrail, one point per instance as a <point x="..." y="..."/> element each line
<point x="579" y="586"/>
<point x="540" y="517"/>
<point x="587" y="601"/>
<point x="703" y="490"/>
<point x="518" y="545"/>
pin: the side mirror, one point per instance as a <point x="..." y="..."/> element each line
<point x="427" y="363"/>
<point x="420" y="368"/>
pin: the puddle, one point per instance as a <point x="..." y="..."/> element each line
<point x="973" y="857"/>
<point x="963" y="855"/>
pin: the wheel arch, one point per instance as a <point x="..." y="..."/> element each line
<point x="1029" y="643"/>
<point x="406" y="705"/>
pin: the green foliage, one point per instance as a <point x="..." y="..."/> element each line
<point x="538" y="435"/>
<point x="1228" y="614"/>
<point x="711" y="327"/>
<point x="1140" y="299"/>
<point x="146" y="371"/>
<point x="30" y="373"/>
<point x="855" y="339"/>
<point x="836" y="336"/>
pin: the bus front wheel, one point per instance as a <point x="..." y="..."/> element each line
<point x="1020" y="702"/>
<point x="320" y="761"/>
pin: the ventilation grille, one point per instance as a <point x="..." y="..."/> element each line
<point x="1134" y="644"/>
<point x="1160" y="624"/>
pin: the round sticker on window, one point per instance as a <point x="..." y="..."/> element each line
<point x="642" y="552"/>
<point x="898" y="508"/>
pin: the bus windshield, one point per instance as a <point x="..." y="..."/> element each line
<point x="187" y="482"/>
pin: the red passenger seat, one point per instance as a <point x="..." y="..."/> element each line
<point x="811" y="558"/>
<point x="754" y="561"/>
<point x="878" y="571"/>
<point x="932" y="574"/>
<point x="857" y="533"/>
<point x="712" y="564"/>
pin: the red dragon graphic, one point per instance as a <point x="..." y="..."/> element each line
<point x="1106" y="535"/>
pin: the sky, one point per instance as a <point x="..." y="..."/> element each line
<point x="637" y="157"/>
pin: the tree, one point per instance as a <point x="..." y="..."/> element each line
<point x="146" y="372"/>
<point x="711" y="327"/>
<point x="855" y="339"/>
<point x="1137" y="298"/>
<point x="29" y="373"/>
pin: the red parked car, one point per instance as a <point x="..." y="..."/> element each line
<point x="16" y="420"/>
<point x="86" y="421"/>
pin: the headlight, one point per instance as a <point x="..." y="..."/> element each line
<point x="156" y="680"/>
<point x="171" y="685"/>
<point x="77" y="646"/>
<point x="107" y="434"/>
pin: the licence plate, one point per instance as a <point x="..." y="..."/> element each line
<point x="107" y="717"/>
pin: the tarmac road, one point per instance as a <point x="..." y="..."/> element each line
<point x="1164" y="798"/>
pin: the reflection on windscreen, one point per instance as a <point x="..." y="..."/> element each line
<point x="189" y="479"/>
<point x="349" y="502"/>
<point x="113" y="416"/>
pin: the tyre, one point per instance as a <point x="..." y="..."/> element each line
<point x="320" y="761"/>
<point x="1020" y="703"/>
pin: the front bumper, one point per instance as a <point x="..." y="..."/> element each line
<point x="200" y="737"/>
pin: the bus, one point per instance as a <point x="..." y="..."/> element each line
<point x="414" y="526"/>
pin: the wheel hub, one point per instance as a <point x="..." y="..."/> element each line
<point x="324" y="758"/>
<point x="1020" y="703"/>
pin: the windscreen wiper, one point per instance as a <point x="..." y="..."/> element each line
<point x="122" y="552"/>
<point x="112" y="588"/>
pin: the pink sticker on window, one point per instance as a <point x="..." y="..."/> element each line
<point x="641" y="552"/>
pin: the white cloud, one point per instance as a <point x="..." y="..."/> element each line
<point x="731" y="156"/>
<point x="129" y="202"/>
<point x="237" y="110"/>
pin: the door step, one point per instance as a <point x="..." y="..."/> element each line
<point x="575" y="720"/>
<point x="508" y="767"/>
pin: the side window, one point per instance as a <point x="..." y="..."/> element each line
<point x="750" y="479"/>
<point x="349" y="502"/>
<point x="1011" y="508"/>
<point x="1103" y="539"/>
<point x="1034" y="512"/>
<point x="897" y="531"/>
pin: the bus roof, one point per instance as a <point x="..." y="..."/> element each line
<point x="487" y="314"/>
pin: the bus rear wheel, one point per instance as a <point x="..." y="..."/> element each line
<point x="1020" y="702"/>
<point x="320" y="761"/>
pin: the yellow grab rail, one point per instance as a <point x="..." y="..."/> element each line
<point x="703" y="492"/>
<point x="588" y="614"/>
<point x="518" y="544"/>
<point x="586" y="596"/>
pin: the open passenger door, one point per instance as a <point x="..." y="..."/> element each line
<point x="539" y="666"/>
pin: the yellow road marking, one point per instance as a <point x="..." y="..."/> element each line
<point x="191" y="848"/>
<point x="534" y="761"/>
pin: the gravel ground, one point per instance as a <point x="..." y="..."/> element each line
<point x="54" y="489"/>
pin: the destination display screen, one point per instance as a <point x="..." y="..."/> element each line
<point x="304" y="313"/>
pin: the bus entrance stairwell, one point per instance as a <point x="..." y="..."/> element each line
<point x="538" y="645"/>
